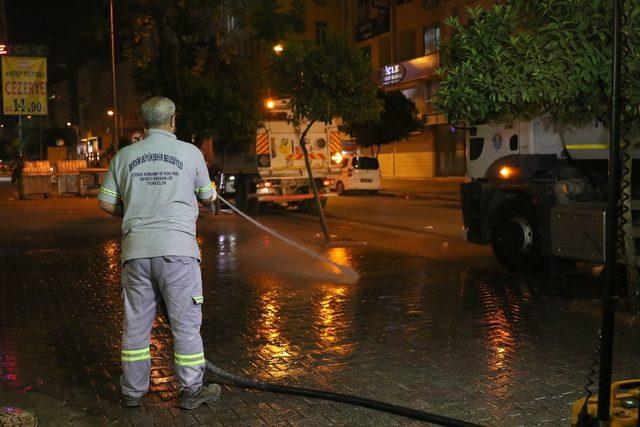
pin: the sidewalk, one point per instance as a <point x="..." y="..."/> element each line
<point x="445" y="188"/>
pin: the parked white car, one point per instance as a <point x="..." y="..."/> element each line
<point x="359" y="173"/>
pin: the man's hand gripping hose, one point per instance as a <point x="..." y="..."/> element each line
<point x="321" y="394"/>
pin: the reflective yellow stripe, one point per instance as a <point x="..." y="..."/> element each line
<point x="109" y="192"/>
<point x="135" y="355"/>
<point x="136" y="358"/>
<point x="587" y="147"/>
<point x="188" y="356"/>
<point x="135" y="352"/>
<point x="203" y="189"/>
<point x="189" y="359"/>
<point x="190" y="363"/>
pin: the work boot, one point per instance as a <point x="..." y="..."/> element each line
<point x="206" y="394"/>
<point x="130" y="401"/>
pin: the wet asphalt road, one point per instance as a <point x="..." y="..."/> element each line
<point x="433" y="323"/>
<point x="437" y="216"/>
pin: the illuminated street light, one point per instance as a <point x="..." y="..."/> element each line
<point x="110" y="113"/>
<point x="270" y="104"/>
<point x="278" y="48"/>
<point x="68" y="124"/>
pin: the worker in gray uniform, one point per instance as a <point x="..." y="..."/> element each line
<point x="155" y="186"/>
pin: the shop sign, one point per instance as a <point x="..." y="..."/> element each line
<point x="392" y="74"/>
<point x="24" y="85"/>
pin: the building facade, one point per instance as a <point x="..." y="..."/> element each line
<point x="402" y="38"/>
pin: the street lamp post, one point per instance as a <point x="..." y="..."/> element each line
<point x="113" y="78"/>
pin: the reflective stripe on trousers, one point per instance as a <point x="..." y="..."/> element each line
<point x="177" y="280"/>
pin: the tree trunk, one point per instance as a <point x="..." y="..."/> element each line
<point x="378" y="151"/>
<point x="312" y="183"/>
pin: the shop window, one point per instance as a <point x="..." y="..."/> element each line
<point x="321" y="31"/>
<point x="431" y="39"/>
<point x="475" y="148"/>
<point x="513" y="143"/>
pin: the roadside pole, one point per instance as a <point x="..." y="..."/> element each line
<point x="609" y="299"/>
<point x="21" y="145"/>
<point x="115" y="134"/>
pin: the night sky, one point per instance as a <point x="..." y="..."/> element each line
<point x="74" y="30"/>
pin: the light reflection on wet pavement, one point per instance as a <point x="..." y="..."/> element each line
<point x="423" y="332"/>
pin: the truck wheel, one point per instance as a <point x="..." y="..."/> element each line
<point x="340" y="189"/>
<point x="515" y="236"/>
<point x="244" y="188"/>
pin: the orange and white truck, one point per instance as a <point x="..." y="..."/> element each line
<point x="272" y="171"/>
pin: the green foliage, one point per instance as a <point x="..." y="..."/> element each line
<point x="225" y="105"/>
<point x="531" y="57"/>
<point x="397" y="121"/>
<point x="323" y="81"/>
<point x="272" y="23"/>
<point x="185" y="50"/>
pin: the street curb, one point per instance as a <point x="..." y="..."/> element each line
<point x="410" y="196"/>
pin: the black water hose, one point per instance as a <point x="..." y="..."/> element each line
<point x="403" y="411"/>
<point x="321" y="394"/>
<point x="337" y="397"/>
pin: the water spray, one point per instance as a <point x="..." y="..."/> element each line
<point x="322" y="394"/>
<point x="348" y="271"/>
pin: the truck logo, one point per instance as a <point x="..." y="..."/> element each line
<point x="497" y="141"/>
<point x="285" y="146"/>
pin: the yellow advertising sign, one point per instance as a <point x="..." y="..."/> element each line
<point x="24" y="85"/>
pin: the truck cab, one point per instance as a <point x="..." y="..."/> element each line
<point x="537" y="191"/>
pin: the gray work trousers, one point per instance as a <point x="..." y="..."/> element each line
<point x="177" y="280"/>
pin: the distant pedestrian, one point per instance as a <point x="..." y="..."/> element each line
<point x="155" y="185"/>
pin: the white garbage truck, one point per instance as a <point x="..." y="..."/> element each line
<point x="272" y="171"/>
<point x="538" y="192"/>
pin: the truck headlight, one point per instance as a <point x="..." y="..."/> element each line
<point x="506" y="172"/>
